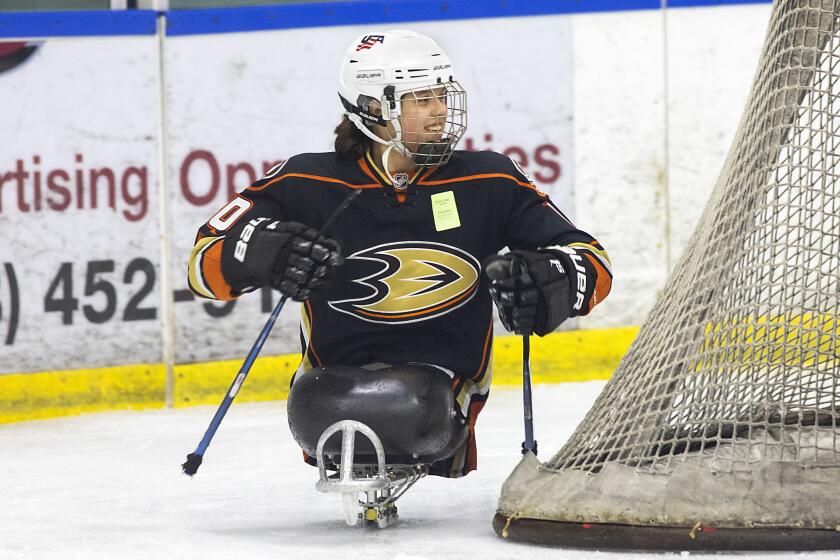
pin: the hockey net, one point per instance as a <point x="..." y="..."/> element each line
<point x="721" y="426"/>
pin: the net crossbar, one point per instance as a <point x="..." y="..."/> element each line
<point x="724" y="413"/>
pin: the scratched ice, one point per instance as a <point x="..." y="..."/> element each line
<point x="108" y="486"/>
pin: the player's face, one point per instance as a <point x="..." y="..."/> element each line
<point x="423" y="116"/>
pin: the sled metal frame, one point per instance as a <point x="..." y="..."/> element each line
<point x="369" y="491"/>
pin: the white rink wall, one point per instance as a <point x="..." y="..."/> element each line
<point x="79" y="206"/>
<point x="626" y="126"/>
<point x="644" y="167"/>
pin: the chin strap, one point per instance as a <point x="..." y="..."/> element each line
<point x="385" y="155"/>
<point x="357" y="120"/>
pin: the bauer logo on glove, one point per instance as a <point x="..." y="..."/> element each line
<point x="287" y="256"/>
<point x="533" y="291"/>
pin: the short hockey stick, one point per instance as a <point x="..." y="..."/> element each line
<point x="530" y="443"/>
<point x="194" y="459"/>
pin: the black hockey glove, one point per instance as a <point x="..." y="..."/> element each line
<point x="531" y="289"/>
<point x="287" y="256"/>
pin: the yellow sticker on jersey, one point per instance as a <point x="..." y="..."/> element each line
<point x="445" y="211"/>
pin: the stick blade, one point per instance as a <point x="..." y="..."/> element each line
<point x="190" y="467"/>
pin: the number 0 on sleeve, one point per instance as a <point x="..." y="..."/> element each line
<point x="229" y="213"/>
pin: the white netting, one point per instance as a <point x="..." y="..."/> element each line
<point x="736" y="369"/>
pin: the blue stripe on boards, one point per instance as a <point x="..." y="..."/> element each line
<point x="33" y="25"/>
<point x="325" y="14"/>
<point x="711" y="3"/>
<point x="36" y="25"/>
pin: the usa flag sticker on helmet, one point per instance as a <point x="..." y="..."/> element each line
<point x="369" y="41"/>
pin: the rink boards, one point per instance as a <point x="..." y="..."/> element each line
<point x="556" y="358"/>
<point x="130" y="129"/>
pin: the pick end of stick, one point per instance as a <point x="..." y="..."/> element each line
<point x="532" y="449"/>
<point x="190" y="467"/>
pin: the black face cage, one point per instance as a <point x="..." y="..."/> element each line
<point x="432" y="123"/>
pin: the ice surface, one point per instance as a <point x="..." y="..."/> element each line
<point x="109" y="486"/>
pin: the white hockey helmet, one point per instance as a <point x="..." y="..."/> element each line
<point x="381" y="69"/>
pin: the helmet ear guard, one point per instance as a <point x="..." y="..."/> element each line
<point x="363" y="120"/>
<point x="369" y="109"/>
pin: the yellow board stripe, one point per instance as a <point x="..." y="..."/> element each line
<point x="790" y="340"/>
<point x="31" y="396"/>
<point x="562" y="356"/>
<point x="206" y="383"/>
<point x="556" y="358"/>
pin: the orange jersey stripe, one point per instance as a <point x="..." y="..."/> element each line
<point x="482" y="176"/>
<point x="603" y="283"/>
<point x="211" y="271"/>
<point x="366" y="168"/>
<point x="426" y="173"/>
<point x="471" y="463"/>
<point x="309" y="460"/>
<point x="314" y="178"/>
<point x="311" y="330"/>
<point x="479" y="374"/>
<point x="383" y="178"/>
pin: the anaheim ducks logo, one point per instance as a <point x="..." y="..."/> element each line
<point x="418" y="280"/>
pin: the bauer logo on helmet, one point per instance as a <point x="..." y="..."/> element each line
<point x="370" y="75"/>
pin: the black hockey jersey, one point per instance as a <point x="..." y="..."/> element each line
<point x="411" y="289"/>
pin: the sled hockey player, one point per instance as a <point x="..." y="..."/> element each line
<point x="397" y="294"/>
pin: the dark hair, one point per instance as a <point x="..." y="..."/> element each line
<point x="349" y="140"/>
